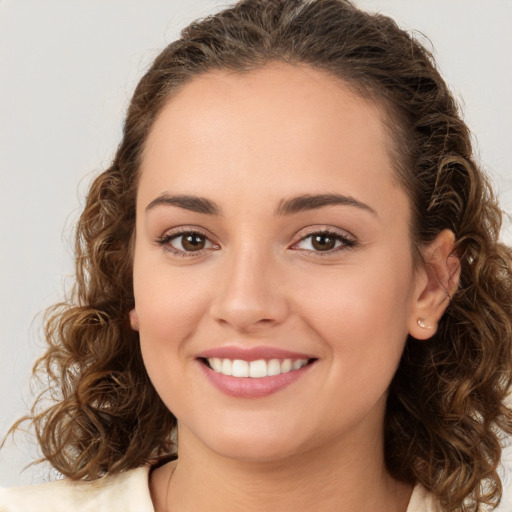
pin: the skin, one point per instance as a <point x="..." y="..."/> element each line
<point x="247" y="142"/>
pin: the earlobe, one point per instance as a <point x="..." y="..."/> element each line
<point x="437" y="282"/>
<point x="134" y="320"/>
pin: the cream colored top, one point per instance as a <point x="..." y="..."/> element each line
<point x="129" y="492"/>
<point x="126" y="492"/>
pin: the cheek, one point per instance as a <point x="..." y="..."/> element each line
<point x="169" y="307"/>
<point x="361" y="316"/>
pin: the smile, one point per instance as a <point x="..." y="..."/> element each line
<point x="255" y="369"/>
<point x="253" y="372"/>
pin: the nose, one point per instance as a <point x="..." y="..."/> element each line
<point x="250" y="297"/>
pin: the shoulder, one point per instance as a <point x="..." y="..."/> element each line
<point x="422" y="501"/>
<point x="128" y="491"/>
<point x="505" y="472"/>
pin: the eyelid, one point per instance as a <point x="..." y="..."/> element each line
<point x="173" y="233"/>
<point x="348" y="240"/>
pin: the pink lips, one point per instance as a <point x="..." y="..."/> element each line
<point x="247" y="387"/>
<point x="251" y="353"/>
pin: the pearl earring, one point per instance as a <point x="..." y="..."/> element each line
<point x="422" y="324"/>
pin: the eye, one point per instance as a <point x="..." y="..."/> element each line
<point x="186" y="242"/>
<point x="324" y="241"/>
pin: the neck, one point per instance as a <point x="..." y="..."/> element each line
<point x="331" y="478"/>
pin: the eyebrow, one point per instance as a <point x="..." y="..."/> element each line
<point x="188" y="202"/>
<point x="286" y="207"/>
<point x="312" y="202"/>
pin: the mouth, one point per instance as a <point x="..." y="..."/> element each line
<point x="255" y="369"/>
<point x="253" y="372"/>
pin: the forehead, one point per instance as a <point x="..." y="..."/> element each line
<point x="295" y="98"/>
<point x="280" y="129"/>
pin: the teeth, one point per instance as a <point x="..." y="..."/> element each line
<point x="240" y="368"/>
<point x="227" y="367"/>
<point x="216" y="364"/>
<point x="255" y="369"/>
<point x="286" y="366"/>
<point x="274" y="367"/>
<point x="258" y="369"/>
<point x="297" y="364"/>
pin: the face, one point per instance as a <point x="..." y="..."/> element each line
<point x="272" y="243"/>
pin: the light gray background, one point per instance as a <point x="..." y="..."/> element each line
<point x="67" y="70"/>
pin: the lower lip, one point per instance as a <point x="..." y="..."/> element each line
<point x="247" y="387"/>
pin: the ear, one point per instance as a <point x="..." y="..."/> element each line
<point x="134" y="320"/>
<point x="437" y="281"/>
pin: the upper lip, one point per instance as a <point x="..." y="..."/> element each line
<point x="251" y="353"/>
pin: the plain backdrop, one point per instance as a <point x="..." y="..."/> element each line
<point x="67" y="70"/>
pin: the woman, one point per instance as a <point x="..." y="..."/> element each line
<point x="290" y="291"/>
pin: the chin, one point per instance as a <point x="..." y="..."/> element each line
<point x="256" y="450"/>
<point x="259" y="445"/>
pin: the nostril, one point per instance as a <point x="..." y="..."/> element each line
<point x="248" y="301"/>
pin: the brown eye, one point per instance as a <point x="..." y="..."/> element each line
<point x="186" y="243"/>
<point x="193" y="242"/>
<point x="322" y="242"/>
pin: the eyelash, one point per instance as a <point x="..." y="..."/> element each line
<point x="165" y="242"/>
<point x="346" y="242"/>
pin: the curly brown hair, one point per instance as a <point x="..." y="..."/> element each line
<point x="446" y="414"/>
